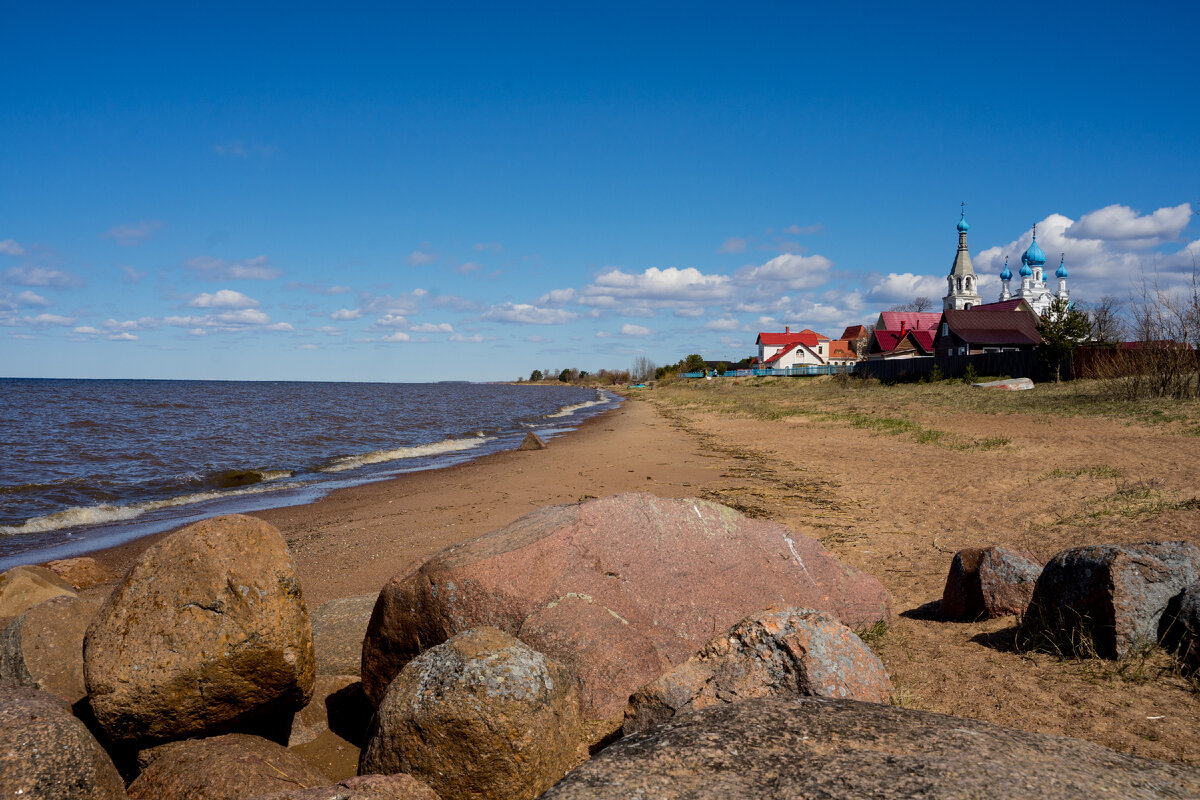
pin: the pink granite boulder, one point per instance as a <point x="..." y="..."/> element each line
<point x="618" y="589"/>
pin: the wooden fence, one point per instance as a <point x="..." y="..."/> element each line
<point x="1013" y="365"/>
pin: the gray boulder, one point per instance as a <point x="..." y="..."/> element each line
<point x="989" y="582"/>
<point x="617" y="589"/>
<point x="786" y="651"/>
<point x="43" y="648"/>
<point x="338" y="630"/>
<point x="230" y="767"/>
<point x="801" y="748"/>
<point x="207" y="633"/>
<point x="479" y="717"/>
<point x="48" y="754"/>
<point x="1107" y="600"/>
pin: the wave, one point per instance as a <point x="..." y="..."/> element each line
<point x="416" y="451"/>
<point x="567" y="411"/>
<point x="94" y="515"/>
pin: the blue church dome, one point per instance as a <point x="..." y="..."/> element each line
<point x="963" y="227"/>
<point x="1061" y="272"/>
<point x="1033" y="255"/>
<point x="1007" y="274"/>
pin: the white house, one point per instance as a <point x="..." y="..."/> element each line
<point x="787" y="349"/>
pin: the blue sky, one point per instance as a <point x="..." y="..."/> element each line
<point x="426" y="191"/>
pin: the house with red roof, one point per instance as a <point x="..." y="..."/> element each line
<point x="910" y="320"/>
<point x="788" y="349"/>
<point x="902" y="343"/>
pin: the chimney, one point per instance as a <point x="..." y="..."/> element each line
<point x="901" y="329"/>
<point x="787" y="328"/>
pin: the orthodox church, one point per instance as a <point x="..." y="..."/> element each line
<point x="1033" y="283"/>
<point x="963" y="284"/>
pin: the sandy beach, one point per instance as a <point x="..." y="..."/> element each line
<point x="895" y="500"/>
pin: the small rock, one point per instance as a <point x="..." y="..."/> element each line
<point x="794" y="748"/>
<point x="1106" y="600"/>
<point x="479" y="716"/>
<point x="230" y="767"/>
<point x="22" y="588"/>
<point x="207" y="633"/>
<point x="363" y="787"/>
<point x="616" y="589"/>
<point x="989" y="582"/>
<point x="1007" y="384"/>
<point x="338" y="630"/>
<point x="788" y="651"/>
<point x="81" y="572"/>
<point x="532" y="442"/>
<point x="48" y="754"/>
<point x="43" y="648"/>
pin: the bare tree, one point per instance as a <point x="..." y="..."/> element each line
<point x="1108" y="325"/>
<point x="643" y="369"/>
<point x="919" y="303"/>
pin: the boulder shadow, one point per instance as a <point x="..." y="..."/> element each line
<point x="928" y="612"/>
<point x="1002" y="641"/>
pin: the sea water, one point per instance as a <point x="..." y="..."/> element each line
<point x="86" y="464"/>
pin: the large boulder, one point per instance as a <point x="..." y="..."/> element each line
<point x="788" y="651"/>
<point x="481" y="716"/>
<point x="797" y="748"/>
<point x="43" y="648"/>
<point x="207" y="633"/>
<point x="48" y="754"/>
<point x="1107" y="600"/>
<point x="338" y="630"/>
<point x="363" y="787"/>
<point x="22" y="588"/>
<point x="617" y="589"/>
<point x="230" y="767"/>
<point x="989" y="582"/>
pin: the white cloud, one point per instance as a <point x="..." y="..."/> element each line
<point x="557" y="297"/>
<point x="432" y="327"/>
<point x="418" y="258"/>
<point x="690" y="311"/>
<point x="123" y="336"/>
<point x="47" y="320"/>
<point x="280" y="326"/>
<point x="386" y="304"/>
<point x="671" y="285"/>
<point x="330" y="330"/>
<point x="40" y="276"/>
<point x="398" y="336"/>
<point x="807" y="230"/>
<point x="306" y="347"/>
<point x="528" y="314"/>
<point x="343" y="314"/>
<point x="392" y="321"/>
<point x="134" y="234"/>
<point x="1124" y="227"/>
<point x="225" y="298"/>
<point x="635" y="330"/>
<point x="458" y="337"/>
<point x="723" y="324"/>
<point x="11" y="302"/>
<point x="87" y="329"/>
<point x="11" y="247"/>
<point x="903" y="287"/>
<point x="790" y="270"/>
<point x="257" y="268"/>
<point x="734" y="244"/>
<point x="468" y="267"/>
<point x="243" y="316"/>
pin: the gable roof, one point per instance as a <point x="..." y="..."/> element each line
<point x="854" y="332"/>
<point x="994" y="327"/>
<point x="805" y="337"/>
<point x="790" y="348"/>
<point x="840" y="348"/>
<point x="913" y="320"/>
<point x="888" y="341"/>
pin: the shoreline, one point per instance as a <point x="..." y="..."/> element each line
<point x="354" y="539"/>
